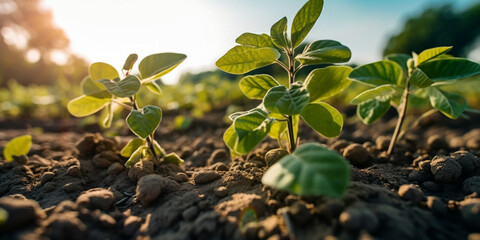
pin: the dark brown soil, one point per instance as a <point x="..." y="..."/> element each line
<point x="74" y="186"/>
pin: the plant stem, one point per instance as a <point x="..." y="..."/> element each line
<point x="149" y="138"/>
<point x="291" y="80"/>
<point x="401" y="114"/>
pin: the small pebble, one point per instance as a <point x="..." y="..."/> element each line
<point x="411" y="193"/>
<point x="221" y="192"/>
<point x="149" y="188"/>
<point x="181" y="177"/>
<point x="206" y="177"/>
<point x="96" y="198"/>
<point x="357" y="155"/>
<point x="74" y="171"/>
<point x="272" y="156"/>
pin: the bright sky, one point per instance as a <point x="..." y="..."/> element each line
<point x="109" y="30"/>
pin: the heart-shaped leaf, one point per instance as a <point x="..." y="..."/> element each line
<point x="256" y="86"/>
<point x="122" y="88"/>
<point x="131" y="147"/>
<point x="256" y="40"/>
<point x="145" y="121"/>
<point x="420" y="79"/>
<point x="18" y="146"/>
<point x="90" y="87"/>
<point x="291" y="101"/>
<point x="323" y="118"/>
<point x="241" y="59"/>
<point x="450" y="104"/>
<point x="326" y="82"/>
<point x="279" y="33"/>
<point x="154" y="66"/>
<point x="383" y="90"/>
<point x="379" y="73"/>
<point x="431" y="53"/>
<point x="311" y="169"/>
<point x="444" y="69"/>
<point x="100" y="70"/>
<point x="304" y="20"/>
<point x="324" y="51"/>
<point x="88" y="104"/>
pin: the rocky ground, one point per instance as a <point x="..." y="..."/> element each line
<point x="73" y="186"/>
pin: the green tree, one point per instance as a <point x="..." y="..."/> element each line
<point x="438" y="26"/>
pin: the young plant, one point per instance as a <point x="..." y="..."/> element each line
<point x="17" y="147"/>
<point x="104" y="88"/>
<point x="399" y="76"/>
<point x="278" y="115"/>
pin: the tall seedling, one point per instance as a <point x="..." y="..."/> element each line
<point x="311" y="169"/>
<point x="399" y="76"/>
<point x="104" y="87"/>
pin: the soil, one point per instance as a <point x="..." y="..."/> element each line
<point x="73" y="185"/>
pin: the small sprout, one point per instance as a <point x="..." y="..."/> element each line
<point x="283" y="106"/>
<point x="17" y="147"/>
<point x="399" y="76"/>
<point x="104" y="87"/>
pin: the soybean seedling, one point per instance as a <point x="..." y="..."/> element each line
<point x="399" y="76"/>
<point x="311" y="169"/>
<point x="103" y="88"/>
<point x="17" y="147"/>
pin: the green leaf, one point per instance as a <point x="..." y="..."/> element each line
<point x="291" y="101"/>
<point x="154" y="87"/>
<point x="122" y="88"/>
<point x="324" y="51"/>
<point x="88" y="104"/>
<point x="100" y="70"/>
<point x="131" y="59"/>
<point x="280" y="128"/>
<point x="304" y="20"/>
<point x="18" y="146"/>
<point x="372" y="110"/>
<point x="90" y="87"/>
<point x="155" y="66"/>
<point x="279" y="34"/>
<point x="159" y="150"/>
<point x="107" y="116"/>
<point x="420" y="79"/>
<point x="131" y="147"/>
<point x="311" y="169"/>
<point x="431" y="53"/>
<point x="173" y="158"/>
<point x="444" y="69"/>
<point x="326" y="82"/>
<point x="401" y="59"/>
<point x="323" y="118"/>
<point x="135" y="157"/>
<point x="247" y="131"/>
<point x="450" y="104"/>
<point x="145" y="121"/>
<point x="242" y="59"/>
<point x="383" y="90"/>
<point x="379" y="73"/>
<point x="256" y="40"/>
<point x="256" y="86"/>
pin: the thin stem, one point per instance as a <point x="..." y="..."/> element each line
<point x="291" y="80"/>
<point x="401" y="114"/>
<point x="282" y="65"/>
<point x="122" y="104"/>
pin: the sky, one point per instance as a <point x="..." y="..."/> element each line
<point x="109" y="30"/>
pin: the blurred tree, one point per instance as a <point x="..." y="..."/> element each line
<point x="33" y="49"/>
<point x="439" y="26"/>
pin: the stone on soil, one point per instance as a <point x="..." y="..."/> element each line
<point x="357" y="155"/>
<point x="206" y="177"/>
<point x="149" y="188"/>
<point x="221" y="191"/>
<point x="411" y="192"/>
<point x="445" y="169"/>
<point x="272" y="156"/>
<point x="21" y="212"/>
<point x="96" y="198"/>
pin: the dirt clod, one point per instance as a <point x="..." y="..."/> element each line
<point x="357" y="155"/>
<point x="436" y="142"/>
<point x="74" y="171"/>
<point x="436" y="205"/>
<point x="219" y="155"/>
<point x="206" y="177"/>
<point x="411" y="192"/>
<point x="115" y="168"/>
<point x="149" y="188"/>
<point x="140" y="169"/>
<point x="471" y="185"/>
<point x="355" y="219"/>
<point x="46" y="177"/>
<point x="382" y="142"/>
<point x="467" y="160"/>
<point x="445" y="169"/>
<point x="272" y="156"/>
<point x="470" y="210"/>
<point x="66" y="226"/>
<point x="96" y="198"/>
<point x="221" y="191"/>
<point x="86" y="144"/>
<point x="131" y="225"/>
<point x="105" y="159"/>
<point x="20" y="212"/>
